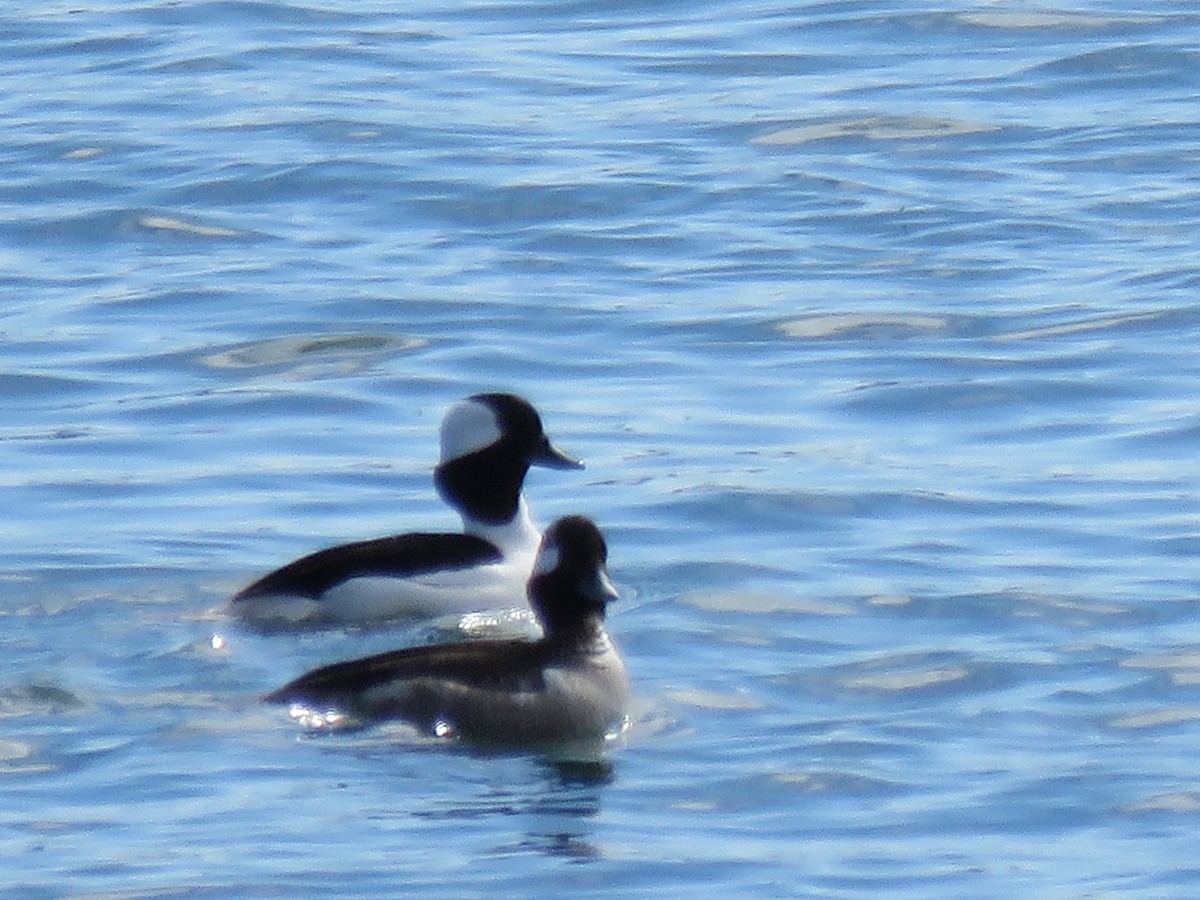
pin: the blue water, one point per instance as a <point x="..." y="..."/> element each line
<point x="875" y="323"/>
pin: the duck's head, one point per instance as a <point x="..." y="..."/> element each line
<point x="570" y="588"/>
<point x="489" y="441"/>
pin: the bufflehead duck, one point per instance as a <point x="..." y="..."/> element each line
<point x="569" y="685"/>
<point x="488" y="443"/>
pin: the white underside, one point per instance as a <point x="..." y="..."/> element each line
<point x="499" y="586"/>
<point x="495" y="586"/>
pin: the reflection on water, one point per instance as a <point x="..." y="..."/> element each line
<point x="330" y="355"/>
<point x="876" y="128"/>
<point x="553" y="801"/>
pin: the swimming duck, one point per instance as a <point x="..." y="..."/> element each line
<point x="488" y="443"/>
<point x="568" y="685"/>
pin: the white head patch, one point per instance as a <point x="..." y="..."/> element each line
<point x="547" y="559"/>
<point x="469" y="426"/>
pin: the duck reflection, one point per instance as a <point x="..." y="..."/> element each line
<point x="558" y="802"/>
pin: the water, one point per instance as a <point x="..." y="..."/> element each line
<point x="875" y="324"/>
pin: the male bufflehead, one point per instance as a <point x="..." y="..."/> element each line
<point x="488" y="443"/>
<point x="568" y="685"/>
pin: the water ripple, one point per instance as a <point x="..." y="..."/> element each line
<point x="876" y="328"/>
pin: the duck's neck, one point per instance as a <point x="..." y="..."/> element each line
<point x="516" y="536"/>
<point x="588" y="635"/>
<point x="484" y="486"/>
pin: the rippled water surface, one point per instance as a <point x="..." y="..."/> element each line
<point x="876" y="325"/>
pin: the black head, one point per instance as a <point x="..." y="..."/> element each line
<point x="489" y="441"/>
<point x="570" y="587"/>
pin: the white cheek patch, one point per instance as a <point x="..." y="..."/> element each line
<point x="547" y="560"/>
<point x="469" y="426"/>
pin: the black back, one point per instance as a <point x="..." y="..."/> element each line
<point x="499" y="665"/>
<point x="401" y="555"/>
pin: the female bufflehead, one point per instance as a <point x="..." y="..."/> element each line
<point x="489" y="441"/>
<point x="568" y="685"/>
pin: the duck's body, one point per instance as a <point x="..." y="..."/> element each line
<point x="569" y="685"/>
<point x="489" y="441"/>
